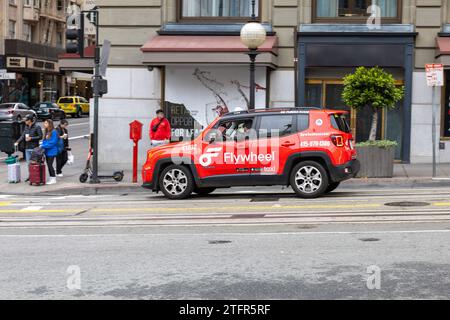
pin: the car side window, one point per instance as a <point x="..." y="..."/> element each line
<point x="302" y="122"/>
<point x="276" y="125"/>
<point x="232" y="130"/>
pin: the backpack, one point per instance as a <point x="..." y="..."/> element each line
<point x="60" y="144"/>
<point x="37" y="155"/>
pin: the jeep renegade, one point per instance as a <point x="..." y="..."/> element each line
<point x="310" y="150"/>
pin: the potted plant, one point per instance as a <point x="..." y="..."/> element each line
<point x="373" y="88"/>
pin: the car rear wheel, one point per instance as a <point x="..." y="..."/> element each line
<point x="19" y="118"/>
<point x="176" y="182"/>
<point x="332" y="186"/>
<point x="204" y="191"/>
<point x="309" y="179"/>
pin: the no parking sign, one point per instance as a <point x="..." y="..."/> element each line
<point x="435" y="75"/>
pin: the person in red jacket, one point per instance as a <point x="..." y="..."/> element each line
<point x="160" y="130"/>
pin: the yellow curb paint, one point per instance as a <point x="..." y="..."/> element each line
<point x="39" y="211"/>
<point x="5" y="204"/>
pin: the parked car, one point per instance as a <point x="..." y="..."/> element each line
<point x="310" y="150"/>
<point x="15" y="111"/>
<point x="74" y="106"/>
<point x="49" y="110"/>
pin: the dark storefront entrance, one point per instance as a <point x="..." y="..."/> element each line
<point x="326" y="57"/>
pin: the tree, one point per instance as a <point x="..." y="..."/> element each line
<point x="371" y="88"/>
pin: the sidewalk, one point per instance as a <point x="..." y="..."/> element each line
<point x="405" y="176"/>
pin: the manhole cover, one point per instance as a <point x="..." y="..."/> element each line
<point x="219" y="242"/>
<point x="407" y="204"/>
<point x="369" y="239"/>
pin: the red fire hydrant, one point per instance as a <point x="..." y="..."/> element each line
<point x="135" y="135"/>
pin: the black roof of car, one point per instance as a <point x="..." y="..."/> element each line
<point x="273" y="111"/>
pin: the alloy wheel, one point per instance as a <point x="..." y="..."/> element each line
<point x="308" y="179"/>
<point x="175" y="182"/>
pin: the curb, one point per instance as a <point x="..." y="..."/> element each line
<point x="126" y="188"/>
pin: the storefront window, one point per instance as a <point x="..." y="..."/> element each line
<point x="446" y="108"/>
<point x="222" y="9"/>
<point x="348" y="10"/>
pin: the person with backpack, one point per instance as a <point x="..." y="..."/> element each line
<point x="160" y="130"/>
<point x="50" y="145"/>
<point x="63" y="147"/>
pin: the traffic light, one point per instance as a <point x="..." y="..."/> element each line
<point x="75" y="41"/>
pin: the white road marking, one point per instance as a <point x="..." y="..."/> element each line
<point x="79" y="137"/>
<point x="78" y="124"/>
<point x="31" y="208"/>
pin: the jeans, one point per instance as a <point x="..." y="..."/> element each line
<point x="61" y="161"/>
<point x="51" y="169"/>
<point x="28" y="155"/>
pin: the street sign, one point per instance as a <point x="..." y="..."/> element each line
<point x="3" y="71"/>
<point x="435" y="75"/>
<point x="106" y="49"/>
<point x="7" y="76"/>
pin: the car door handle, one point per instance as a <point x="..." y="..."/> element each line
<point x="288" y="144"/>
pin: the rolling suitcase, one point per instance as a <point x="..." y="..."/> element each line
<point x="13" y="170"/>
<point x="14" y="173"/>
<point x="37" y="174"/>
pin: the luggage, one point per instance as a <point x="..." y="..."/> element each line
<point x="14" y="173"/>
<point x="37" y="156"/>
<point x="37" y="174"/>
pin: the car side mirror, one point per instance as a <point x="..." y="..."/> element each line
<point x="212" y="137"/>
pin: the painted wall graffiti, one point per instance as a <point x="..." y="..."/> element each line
<point x="207" y="92"/>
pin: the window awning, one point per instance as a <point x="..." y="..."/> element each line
<point x="443" y="46"/>
<point x="177" y="49"/>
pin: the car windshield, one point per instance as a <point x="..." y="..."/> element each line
<point x="66" y="100"/>
<point x="6" y="105"/>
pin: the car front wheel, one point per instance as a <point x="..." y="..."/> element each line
<point x="176" y="182"/>
<point x="309" y="179"/>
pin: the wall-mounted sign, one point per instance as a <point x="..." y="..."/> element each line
<point x="435" y="75"/>
<point x="42" y="65"/>
<point x="16" y="62"/>
<point x="7" y="76"/>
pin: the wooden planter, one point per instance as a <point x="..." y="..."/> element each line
<point x="376" y="162"/>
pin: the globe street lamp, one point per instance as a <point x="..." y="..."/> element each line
<point x="253" y="35"/>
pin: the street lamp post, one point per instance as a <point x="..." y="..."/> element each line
<point x="253" y="35"/>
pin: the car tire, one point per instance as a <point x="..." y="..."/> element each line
<point x="309" y="179"/>
<point x="204" y="191"/>
<point x="19" y="118"/>
<point x="332" y="186"/>
<point x="176" y="182"/>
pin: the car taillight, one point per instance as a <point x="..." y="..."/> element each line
<point x="337" y="140"/>
<point x="11" y="111"/>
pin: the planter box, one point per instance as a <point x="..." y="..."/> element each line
<point x="376" y="162"/>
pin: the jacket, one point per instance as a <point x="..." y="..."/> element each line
<point x="35" y="133"/>
<point x="62" y="132"/>
<point x="51" y="145"/>
<point x="164" y="132"/>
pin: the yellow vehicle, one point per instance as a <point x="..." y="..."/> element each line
<point x="74" y="106"/>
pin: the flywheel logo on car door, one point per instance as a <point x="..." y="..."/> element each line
<point x="210" y="154"/>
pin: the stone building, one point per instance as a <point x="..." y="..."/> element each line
<point x="186" y="56"/>
<point x="32" y="35"/>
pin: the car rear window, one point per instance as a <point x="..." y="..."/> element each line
<point x="302" y="122"/>
<point x="339" y="122"/>
<point x="66" y="100"/>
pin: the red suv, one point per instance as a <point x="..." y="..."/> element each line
<point x="310" y="150"/>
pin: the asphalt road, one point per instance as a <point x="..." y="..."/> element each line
<point x="233" y="245"/>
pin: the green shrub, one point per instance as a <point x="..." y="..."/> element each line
<point x="385" y="144"/>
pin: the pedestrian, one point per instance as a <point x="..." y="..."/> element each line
<point x="32" y="135"/>
<point x="160" y="130"/>
<point x="62" y="157"/>
<point x="50" y="145"/>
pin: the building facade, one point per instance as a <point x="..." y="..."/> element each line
<point x="186" y="56"/>
<point x="32" y="35"/>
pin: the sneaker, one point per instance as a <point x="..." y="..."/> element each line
<point x="60" y="175"/>
<point x="51" y="181"/>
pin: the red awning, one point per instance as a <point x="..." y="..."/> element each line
<point x="443" y="46"/>
<point x="89" y="52"/>
<point x="204" y="44"/>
